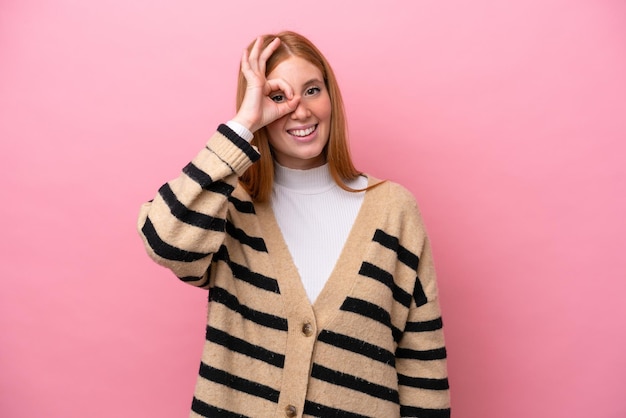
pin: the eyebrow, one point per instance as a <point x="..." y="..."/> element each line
<point x="313" y="81"/>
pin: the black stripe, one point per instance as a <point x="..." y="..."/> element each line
<point x="418" y="293"/>
<point x="243" y="206"/>
<point x="424" y="326"/>
<point x="367" y="309"/>
<point x="423" y="383"/>
<point x="206" y="182"/>
<point x="386" y="240"/>
<point x="413" y="411"/>
<point x="202" y="284"/>
<point x="206" y="277"/>
<point x="397" y="334"/>
<point x="197" y="175"/>
<point x="357" y="346"/>
<point x="221" y="188"/>
<point x="255" y="243"/>
<point x="190" y="278"/>
<point x="239" y="383"/>
<point x="206" y="410"/>
<point x="401" y="296"/>
<point x="354" y="382"/>
<point x="323" y="411"/>
<point x="191" y="217"/>
<point x="238" y="345"/>
<point x="221" y="254"/>
<point x="435" y="354"/>
<point x="219" y="295"/>
<point x="405" y="256"/>
<point x="165" y="250"/>
<point x="376" y="273"/>
<point x="243" y="273"/>
<point x="372" y="311"/>
<point x="239" y="141"/>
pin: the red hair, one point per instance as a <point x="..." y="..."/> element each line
<point x="259" y="178"/>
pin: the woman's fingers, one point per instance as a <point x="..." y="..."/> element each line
<point x="267" y="53"/>
<point x="258" y="56"/>
<point x="278" y="85"/>
<point x="255" y="51"/>
<point x="245" y="62"/>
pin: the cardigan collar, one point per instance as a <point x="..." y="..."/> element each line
<point x="346" y="269"/>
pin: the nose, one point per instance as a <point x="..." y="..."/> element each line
<point x="301" y="112"/>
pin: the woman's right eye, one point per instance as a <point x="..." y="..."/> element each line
<point x="278" y="98"/>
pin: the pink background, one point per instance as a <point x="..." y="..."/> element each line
<point x="506" y="119"/>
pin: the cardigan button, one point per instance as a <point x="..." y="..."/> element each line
<point x="307" y="329"/>
<point x="291" y="411"/>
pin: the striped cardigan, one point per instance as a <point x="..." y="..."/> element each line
<point x="370" y="346"/>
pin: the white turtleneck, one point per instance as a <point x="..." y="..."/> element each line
<point x="315" y="216"/>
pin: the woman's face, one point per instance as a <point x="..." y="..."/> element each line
<point x="298" y="138"/>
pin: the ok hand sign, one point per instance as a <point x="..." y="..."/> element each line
<point x="257" y="108"/>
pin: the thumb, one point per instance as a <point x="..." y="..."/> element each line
<point x="289" y="105"/>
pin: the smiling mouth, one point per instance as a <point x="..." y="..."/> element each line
<point x="302" y="132"/>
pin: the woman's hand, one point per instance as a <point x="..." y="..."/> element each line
<point x="257" y="108"/>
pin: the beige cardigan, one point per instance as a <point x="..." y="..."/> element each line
<point x="370" y="346"/>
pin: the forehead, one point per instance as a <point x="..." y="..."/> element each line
<point x="296" y="71"/>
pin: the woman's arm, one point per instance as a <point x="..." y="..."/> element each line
<point x="184" y="225"/>
<point x="421" y="353"/>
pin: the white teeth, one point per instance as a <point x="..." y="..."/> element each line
<point x="302" y="132"/>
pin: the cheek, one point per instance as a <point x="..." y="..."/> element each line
<point x="326" y="110"/>
<point x="274" y="128"/>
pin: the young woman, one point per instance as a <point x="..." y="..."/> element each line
<point x="322" y="292"/>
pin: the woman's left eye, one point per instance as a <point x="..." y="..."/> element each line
<point x="312" y="90"/>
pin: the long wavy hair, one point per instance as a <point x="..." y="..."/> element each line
<point x="259" y="178"/>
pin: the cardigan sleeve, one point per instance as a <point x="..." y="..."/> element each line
<point x="184" y="225"/>
<point x="421" y="353"/>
